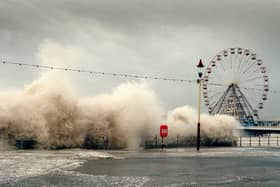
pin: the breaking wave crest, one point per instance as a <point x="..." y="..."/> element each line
<point x="48" y="112"/>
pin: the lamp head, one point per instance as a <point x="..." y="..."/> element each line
<point x="200" y="67"/>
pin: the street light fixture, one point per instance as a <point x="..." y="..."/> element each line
<point x="200" y="67"/>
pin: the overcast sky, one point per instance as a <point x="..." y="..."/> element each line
<point x="146" y="37"/>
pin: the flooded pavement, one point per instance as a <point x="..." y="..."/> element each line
<point x="172" y="167"/>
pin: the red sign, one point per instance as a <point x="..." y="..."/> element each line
<point x="163" y="130"/>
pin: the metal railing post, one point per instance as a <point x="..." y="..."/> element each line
<point x="250" y="143"/>
<point x="156" y="141"/>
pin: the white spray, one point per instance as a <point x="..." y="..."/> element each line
<point x="50" y="114"/>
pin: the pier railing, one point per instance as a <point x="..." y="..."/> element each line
<point x="243" y="141"/>
<point x="259" y="141"/>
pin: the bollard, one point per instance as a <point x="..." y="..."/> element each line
<point x="268" y="141"/>
<point x="259" y="140"/>
<point x="277" y="141"/>
<point x="240" y="143"/>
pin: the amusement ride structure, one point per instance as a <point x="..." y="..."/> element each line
<point x="236" y="83"/>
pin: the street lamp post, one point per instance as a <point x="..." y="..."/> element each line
<point x="200" y="67"/>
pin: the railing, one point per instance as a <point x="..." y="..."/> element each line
<point x="149" y="142"/>
<point x="184" y="141"/>
<point x="170" y="142"/>
<point x="259" y="141"/>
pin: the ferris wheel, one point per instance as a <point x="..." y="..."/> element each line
<point x="235" y="83"/>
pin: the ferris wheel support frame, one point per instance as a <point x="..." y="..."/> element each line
<point x="234" y="99"/>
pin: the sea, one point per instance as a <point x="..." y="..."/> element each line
<point x="169" y="167"/>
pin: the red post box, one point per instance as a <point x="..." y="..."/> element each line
<point x="163" y="130"/>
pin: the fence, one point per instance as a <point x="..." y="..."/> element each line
<point x="149" y="142"/>
<point x="185" y="141"/>
<point x="243" y="141"/>
<point x="259" y="141"/>
<point x="170" y="142"/>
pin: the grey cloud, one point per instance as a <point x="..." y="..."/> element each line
<point x="127" y="14"/>
<point x="164" y="37"/>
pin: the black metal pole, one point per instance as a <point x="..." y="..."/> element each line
<point x="198" y="137"/>
<point x="200" y="66"/>
<point x="198" y="121"/>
